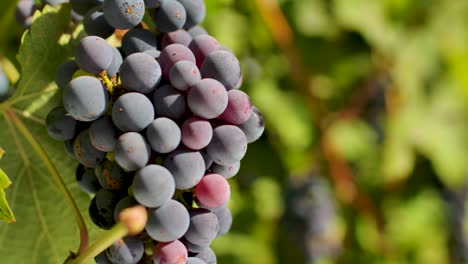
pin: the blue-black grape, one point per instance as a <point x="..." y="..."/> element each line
<point x="171" y="54"/>
<point x="60" y="125"/>
<point x="207" y="255"/>
<point x="103" y="134"/>
<point x="126" y="251"/>
<point x="68" y="145"/>
<point x="102" y="258"/>
<point x="85" y="98"/>
<point x="24" y="12"/>
<point x="197" y="31"/>
<point x="101" y="208"/>
<point x="138" y="40"/>
<point x="83" y="6"/>
<point x="203" y="227"/>
<point x="168" y="222"/>
<point x="124" y="203"/>
<point x="153" y="186"/>
<point x="112" y="177"/>
<point x="4" y="86"/>
<point x="222" y="66"/>
<point x="196" y="133"/>
<point x="207" y="159"/>
<point x="64" y="73"/>
<point x="202" y="46"/>
<point x="208" y="98"/>
<point x="193" y="260"/>
<point x="224" y="219"/>
<point x="153" y="3"/>
<point x="132" y="152"/>
<point x="163" y="135"/>
<point x="87" y="179"/>
<point x="239" y="108"/>
<point x="132" y="112"/>
<point x="95" y="24"/>
<point x="170" y="253"/>
<point x="117" y="60"/>
<point x="253" y="128"/>
<point x="187" y="167"/>
<point x="85" y="152"/>
<point x="196" y="11"/>
<point x="169" y="16"/>
<point x="228" y="145"/>
<point x="93" y="54"/>
<point x="226" y="171"/>
<point x="153" y="53"/>
<point x="176" y="37"/>
<point x="169" y="102"/>
<point x="140" y="73"/>
<point x="184" y="74"/>
<point x="124" y="14"/>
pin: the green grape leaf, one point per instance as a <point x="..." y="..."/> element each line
<point x="5" y="211"/>
<point x="45" y="230"/>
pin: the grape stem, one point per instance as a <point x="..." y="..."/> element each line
<point x="107" y="82"/>
<point x="55" y="176"/>
<point x="117" y="232"/>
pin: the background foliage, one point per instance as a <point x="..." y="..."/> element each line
<point x="364" y="155"/>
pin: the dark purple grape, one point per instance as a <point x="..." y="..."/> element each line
<point x="183" y="75"/>
<point x="132" y="152"/>
<point x="171" y="54"/>
<point x="83" y="6"/>
<point x="103" y="134"/>
<point x="226" y="171"/>
<point x="207" y="159"/>
<point x="102" y="258"/>
<point x="60" y="125"/>
<point x="224" y="219"/>
<point x="138" y="40"/>
<point x="228" y="145"/>
<point x="140" y="73"/>
<point x="169" y="16"/>
<point x="93" y="54"/>
<point x="163" y="135"/>
<point x="254" y="126"/>
<point x="222" y="66"/>
<point x="153" y="53"/>
<point x="168" y="222"/>
<point x="124" y="14"/>
<point x="197" y="31"/>
<point x="169" y="102"/>
<point x="196" y="133"/>
<point x="193" y="260"/>
<point x="187" y="168"/>
<point x="132" y="112"/>
<point x="153" y="3"/>
<point x="87" y="179"/>
<point x="117" y="60"/>
<point x="64" y="73"/>
<point x="153" y="186"/>
<point x="126" y="251"/>
<point x="101" y="208"/>
<point x="203" y="227"/>
<point x="112" y="177"/>
<point x="202" y="46"/>
<point x="196" y="11"/>
<point x="207" y="98"/>
<point x="85" y="98"/>
<point x="239" y="108"/>
<point x="207" y="255"/>
<point x="176" y="37"/>
<point x="95" y="24"/>
<point x="85" y="152"/>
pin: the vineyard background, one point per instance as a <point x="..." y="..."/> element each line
<point x="364" y="158"/>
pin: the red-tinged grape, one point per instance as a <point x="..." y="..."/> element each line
<point x="239" y="108"/>
<point x="196" y="133"/>
<point x="213" y="191"/>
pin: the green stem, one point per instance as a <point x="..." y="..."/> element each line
<point x="55" y="175"/>
<point x="107" y="82"/>
<point x="117" y="232"/>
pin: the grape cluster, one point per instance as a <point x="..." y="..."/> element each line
<point x="159" y="121"/>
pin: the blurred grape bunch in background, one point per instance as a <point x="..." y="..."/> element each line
<point x="363" y="159"/>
